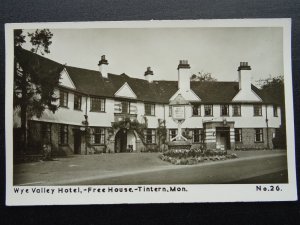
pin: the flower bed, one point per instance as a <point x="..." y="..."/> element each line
<point x="194" y="156"/>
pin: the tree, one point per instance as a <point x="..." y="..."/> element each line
<point x="274" y="86"/>
<point x="33" y="83"/>
<point x="203" y="77"/>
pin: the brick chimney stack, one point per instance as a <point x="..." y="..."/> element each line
<point x="103" y="66"/>
<point x="184" y="74"/>
<point x="149" y="74"/>
<point x="244" y="71"/>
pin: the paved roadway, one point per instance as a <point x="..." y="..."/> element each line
<point x="266" y="169"/>
<point x="147" y="168"/>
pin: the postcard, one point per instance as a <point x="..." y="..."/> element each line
<point x="149" y="112"/>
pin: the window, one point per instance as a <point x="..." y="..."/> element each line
<point x="170" y="110"/>
<point x="46" y="133"/>
<point x="196" y="110"/>
<point x="149" y="109"/>
<point x="125" y="107"/>
<point x="98" y="136"/>
<point x="97" y="104"/>
<point x="236" y="110"/>
<point x="275" y="112"/>
<point x="208" y="110"/>
<point x="150" y="136"/>
<point x="197" y="135"/>
<point x="63" y="134"/>
<point x="77" y="102"/>
<point x="63" y="98"/>
<point x="224" y="110"/>
<point x="238" y="135"/>
<point x="257" y="110"/>
<point x="172" y="133"/>
<point x="259" y="135"/>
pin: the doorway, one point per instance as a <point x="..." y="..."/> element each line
<point x="77" y="141"/>
<point x="125" y="141"/>
<point x="223" y="138"/>
<point x="121" y="141"/>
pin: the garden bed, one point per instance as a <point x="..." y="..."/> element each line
<point x="194" y="156"/>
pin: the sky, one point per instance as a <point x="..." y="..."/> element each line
<point x="131" y="50"/>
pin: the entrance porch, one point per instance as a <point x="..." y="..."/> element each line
<point x="219" y="135"/>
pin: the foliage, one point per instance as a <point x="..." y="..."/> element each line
<point x="194" y="156"/>
<point x="274" y="86"/>
<point x="33" y="84"/>
<point x="135" y="125"/>
<point x="203" y="77"/>
<point x="41" y="40"/>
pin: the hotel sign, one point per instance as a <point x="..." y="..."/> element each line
<point x="178" y="112"/>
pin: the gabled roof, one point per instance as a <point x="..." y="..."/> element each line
<point x="90" y="82"/>
<point x="36" y="63"/>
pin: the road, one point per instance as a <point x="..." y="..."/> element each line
<point x="147" y="168"/>
<point x="268" y="169"/>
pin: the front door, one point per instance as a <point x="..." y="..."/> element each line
<point x="77" y="142"/>
<point x="223" y="138"/>
<point x="121" y="141"/>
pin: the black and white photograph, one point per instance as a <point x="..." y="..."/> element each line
<point x="160" y="109"/>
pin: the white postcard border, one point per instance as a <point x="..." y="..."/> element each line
<point x="194" y="193"/>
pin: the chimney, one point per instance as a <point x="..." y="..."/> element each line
<point x="103" y="64"/>
<point x="244" y="71"/>
<point x="149" y="74"/>
<point x="184" y="75"/>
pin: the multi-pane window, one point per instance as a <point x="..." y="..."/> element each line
<point x="149" y="109"/>
<point x="196" y="110"/>
<point x="63" y="98"/>
<point x="63" y="134"/>
<point x="125" y="106"/>
<point x="258" y="135"/>
<point x="197" y="135"/>
<point x="275" y="112"/>
<point x="257" y="110"/>
<point x="97" y="104"/>
<point x="77" y="102"/>
<point x="98" y="135"/>
<point x="172" y="133"/>
<point x="46" y="133"/>
<point x="208" y="110"/>
<point x="224" y="110"/>
<point x="238" y="134"/>
<point x="236" y="110"/>
<point x="150" y="136"/>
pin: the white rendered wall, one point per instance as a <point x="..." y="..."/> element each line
<point x="65" y="115"/>
<point x="184" y="75"/>
<point x="102" y="119"/>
